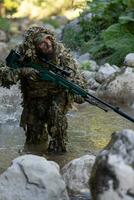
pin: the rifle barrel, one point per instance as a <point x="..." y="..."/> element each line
<point x="115" y="109"/>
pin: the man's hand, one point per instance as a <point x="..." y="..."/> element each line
<point x="29" y="72"/>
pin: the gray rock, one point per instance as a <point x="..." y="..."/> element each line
<point x="58" y="33"/>
<point x="77" y="172"/>
<point x="104" y="72"/>
<point x="128" y="70"/>
<point x="93" y="85"/>
<point x="112" y="176"/>
<point x="74" y="24"/>
<point x="3" y="36"/>
<point x="3" y="50"/>
<point x="116" y="68"/>
<point x="88" y="17"/>
<point x="119" y="88"/>
<point x="32" y="177"/>
<point x="88" y="74"/>
<point x="62" y="20"/>
<point x="129" y="60"/>
<point x="84" y="58"/>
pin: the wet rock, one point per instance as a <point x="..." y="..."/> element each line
<point x="76" y="174"/>
<point x="112" y="176"/>
<point x="32" y="177"/>
<point x="129" y="60"/>
<point x="119" y="88"/>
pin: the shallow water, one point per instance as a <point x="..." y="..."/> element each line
<point x="89" y="131"/>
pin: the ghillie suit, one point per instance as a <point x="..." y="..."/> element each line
<point x="45" y="104"/>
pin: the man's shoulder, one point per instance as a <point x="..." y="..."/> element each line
<point x="63" y="51"/>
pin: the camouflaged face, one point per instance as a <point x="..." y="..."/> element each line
<point x="32" y="37"/>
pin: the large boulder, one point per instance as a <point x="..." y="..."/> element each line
<point x="77" y="173"/>
<point x="112" y="176"/>
<point x="119" y="88"/>
<point x="32" y="177"/>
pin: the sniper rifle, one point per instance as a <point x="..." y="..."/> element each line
<point x="60" y="78"/>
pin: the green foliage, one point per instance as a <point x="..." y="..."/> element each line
<point x="72" y="39"/>
<point x="86" y="65"/>
<point x="120" y="38"/>
<point x="108" y="35"/>
<point x="53" y="22"/>
<point x="4" y="24"/>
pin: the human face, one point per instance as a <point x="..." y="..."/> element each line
<point x="46" y="46"/>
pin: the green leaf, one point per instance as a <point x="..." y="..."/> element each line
<point x="120" y="38"/>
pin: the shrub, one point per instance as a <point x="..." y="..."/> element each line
<point x="51" y="21"/>
<point x="120" y="38"/>
<point x="72" y="39"/>
<point x="85" y="66"/>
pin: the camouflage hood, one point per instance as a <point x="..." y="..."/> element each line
<point x="33" y="36"/>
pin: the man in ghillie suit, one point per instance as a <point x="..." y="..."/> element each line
<point x="45" y="104"/>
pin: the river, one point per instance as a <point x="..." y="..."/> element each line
<point x="89" y="130"/>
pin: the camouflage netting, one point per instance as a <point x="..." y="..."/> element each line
<point x="45" y="104"/>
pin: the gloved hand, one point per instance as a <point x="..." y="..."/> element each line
<point x="29" y="72"/>
<point x="79" y="99"/>
<point x="8" y="77"/>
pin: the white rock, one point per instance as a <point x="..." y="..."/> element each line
<point x="84" y="58"/>
<point x="32" y="177"/>
<point x="129" y="60"/>
<point x="93" y="65"/>
<point x="112" y="177"/>
<point x="128" y="70"/>
<point x="104" y="72"/>
<point x="77" y="172"/>
<point x="88" y="74"/>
